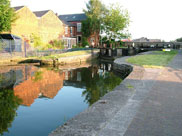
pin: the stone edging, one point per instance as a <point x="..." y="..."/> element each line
<point x="70" y="60"/>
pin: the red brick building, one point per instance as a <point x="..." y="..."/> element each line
<point x="73" y="25"/>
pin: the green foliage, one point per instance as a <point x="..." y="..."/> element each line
<point x="7" y="15"/>
<point x="95" y="11"/>
<point x="98" y="85"/>
<point x="76" y="46"/>
<point x="115" y="21"/>
<point x="179" y="39"/>
<point x="84" y="42"/>
<point x="37" y="42"/>
<point x="8" y="105"/>
<point x="57" y="44"/>
<point x="86" y="27"/>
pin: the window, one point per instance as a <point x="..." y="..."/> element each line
<point x="71" y="31"/>
<point x="79" y="27"/>
<point x="66" y="30"/>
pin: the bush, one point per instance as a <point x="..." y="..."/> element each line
<point x="37" y="42"/>
<point x="77" y="46"/>
<point x="58" y="44"/>
<point x="84" y="42"/>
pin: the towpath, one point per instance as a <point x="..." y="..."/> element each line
<point x="147" y="103"/>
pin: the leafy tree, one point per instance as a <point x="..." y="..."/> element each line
<point x="8" y="105"/>
<point x="179" y="39"/>
<point x="95" y="13"/>
<point x="115" y="22"/>
<point x="7" y="15"/>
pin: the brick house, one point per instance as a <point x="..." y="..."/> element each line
<point x="49" y="25"/>
<point x="72" y="24"/>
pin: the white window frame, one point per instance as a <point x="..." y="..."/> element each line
<point x="79" y="27"/>
<point x="66" y="30"/>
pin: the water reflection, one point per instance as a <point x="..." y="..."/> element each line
<point x="44" y="83"/>
<point x="96" y="82"/>
<point x="8" y="106"/>
<point x="26" y="84"/>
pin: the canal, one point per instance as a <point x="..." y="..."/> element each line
<point x="36" y="100"/>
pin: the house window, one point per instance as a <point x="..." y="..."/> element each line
<point x="79" y="27"/>
<point x="66" y="30"/>
<point x="71" y="31"/>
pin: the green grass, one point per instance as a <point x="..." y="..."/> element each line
<point x="129" y="86"/>
<point x="157" y="59"/>
<point x="67" y="54"/>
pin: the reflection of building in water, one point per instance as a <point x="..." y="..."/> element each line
<point x="30" y="83"/>
<point x="10" y="76"/>
<point x="77" y="76"/>
<point x="44" y="83"/>
<point x="107" y="66"/>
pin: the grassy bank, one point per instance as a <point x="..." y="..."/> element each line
<point x="67" y="54"/>
<point x="156" y="59"/>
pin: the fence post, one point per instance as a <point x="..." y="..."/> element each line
<point x="10" y="48"/>
<point x="25" y="48"/>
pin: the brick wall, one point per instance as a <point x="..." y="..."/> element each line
<point x="50" y="27"/>
<point x="25" y="25"/>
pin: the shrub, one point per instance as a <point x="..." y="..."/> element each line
<point x="58" y="44"/>
<point x="84" y="42"/>
<point x="37" y="42"/>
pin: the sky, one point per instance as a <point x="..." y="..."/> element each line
<point x="154" y="19"/>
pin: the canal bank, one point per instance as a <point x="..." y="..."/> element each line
<point x="55" y="59"/>
<point x="138" y="106"/>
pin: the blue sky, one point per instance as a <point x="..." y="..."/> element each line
<point x="150" y="18"/>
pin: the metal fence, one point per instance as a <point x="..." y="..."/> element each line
<point x="9" y="46"/>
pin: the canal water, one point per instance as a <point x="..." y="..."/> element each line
<point x="34" y="101"/>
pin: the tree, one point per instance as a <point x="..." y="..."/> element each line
<point x="179" y="39"/>
<point x="7" y="15"/>
<point x="97" y="85"/>
<point x="92" y="25"/>
<point x="9" y="103"/>
<point x="115" y="22"/>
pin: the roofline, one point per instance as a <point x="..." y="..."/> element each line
<point x="40" y="11"/>
<point x="71" y="14"/>
<point x="19" y="8"/>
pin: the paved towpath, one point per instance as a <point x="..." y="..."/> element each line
<point x="160" y="114"/>
<point x="147" y="103"/>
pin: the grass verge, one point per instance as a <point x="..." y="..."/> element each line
<point x="67" y="54"/>
<point x="156" y="60"/>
